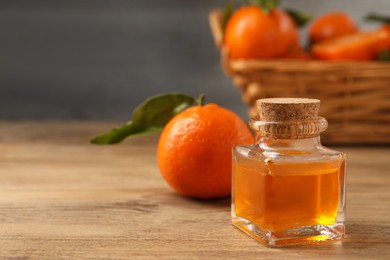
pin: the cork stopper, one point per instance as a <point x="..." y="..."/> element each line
<point x="288" y="109"/>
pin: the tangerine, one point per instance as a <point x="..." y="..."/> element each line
<point x="332" y="25"/>
<point x="251" y="33"/>
<point x="358" y="46"/>
<point x="194" y="151"/>
<point x="288" y="32"/>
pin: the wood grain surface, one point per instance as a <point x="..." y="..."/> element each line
<point x="61" y="197"/>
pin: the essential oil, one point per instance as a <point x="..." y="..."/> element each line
<point x="288" y="189"/>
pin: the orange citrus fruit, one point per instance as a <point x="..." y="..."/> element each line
<point x="251" y="33"/>
<point x="194" y="152"/>
<point x="358" y="46"/>
<point x="332" y="25"/>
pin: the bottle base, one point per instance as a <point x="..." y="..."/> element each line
<point x="304" y="235"/>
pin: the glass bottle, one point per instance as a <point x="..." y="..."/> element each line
<point x="288" y="189"/>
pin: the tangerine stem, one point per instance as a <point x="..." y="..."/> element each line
<point x="265" y="5"/>
<point x="200" y="100"/>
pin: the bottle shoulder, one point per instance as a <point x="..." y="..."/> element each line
<point x="317" y="153"/>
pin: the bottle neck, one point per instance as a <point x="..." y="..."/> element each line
<point x="303" y="144"/>
<point x="289" y="130"/>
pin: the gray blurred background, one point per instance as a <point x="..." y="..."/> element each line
<point x="98" y="59"/>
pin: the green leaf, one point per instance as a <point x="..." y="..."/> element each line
<point x="226" y="13"/>
<point x="384" y="55"/>
<point x="265" y="5"/>
<point x="149" y="117"/>
<point x="373" y="17"/>
<point x="300" y="18"/>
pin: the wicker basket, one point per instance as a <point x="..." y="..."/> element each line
<point x="355" y="96"/>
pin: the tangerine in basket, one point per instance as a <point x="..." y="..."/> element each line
<point x="332" y="25"/>
<point x="194" y="150"/>
<point x="358" y="46"/>
<point x="252" y="33"/>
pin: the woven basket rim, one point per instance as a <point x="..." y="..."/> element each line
<point x="304" y="65"/>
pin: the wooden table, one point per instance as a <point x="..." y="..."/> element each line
<point x="61" y="197"/>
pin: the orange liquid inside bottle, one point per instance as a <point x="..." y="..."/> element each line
<point x="280" y="196"/>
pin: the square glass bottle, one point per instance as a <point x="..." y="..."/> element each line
<point x="288" y="189"/>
